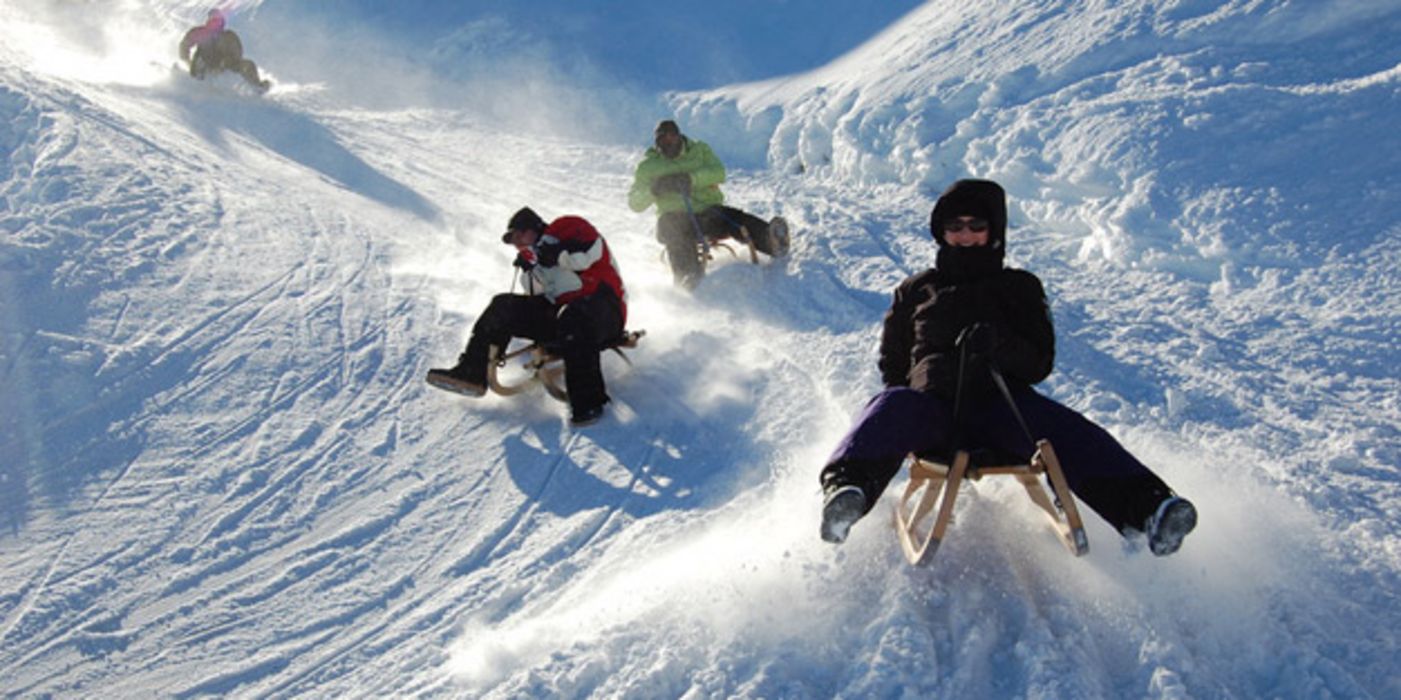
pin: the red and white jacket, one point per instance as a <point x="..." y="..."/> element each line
<point x="573" y="262"/>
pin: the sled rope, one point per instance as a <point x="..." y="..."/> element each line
<point x="1007" y="394"/>
<point x="1002" y="388"/>
<point x="695" y="224"/>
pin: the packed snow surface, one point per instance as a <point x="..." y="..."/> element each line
<point x="222" y="474"/>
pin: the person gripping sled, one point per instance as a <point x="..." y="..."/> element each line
<point x="971" y="305"/>
<point x="217" y="48"/>
<point x="574" y="302"/>
<point x="682" y="177"/>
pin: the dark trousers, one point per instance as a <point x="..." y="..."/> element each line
<point x="223" y="54"/>
<point x="677" y="232"/>
<point x="576" y="332"/>
<point x="899" y="420"/>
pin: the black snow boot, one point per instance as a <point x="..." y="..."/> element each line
<point x="843" y="507"/>
<point x="461" y="378"/>
<point x="584" y="417"/>
<point x="1168" y="525"/>
<point x="778" y="237"/>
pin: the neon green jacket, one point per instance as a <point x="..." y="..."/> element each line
<point x="697" y="159"/>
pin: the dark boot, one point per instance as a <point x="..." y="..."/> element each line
<point x="584" y="417"/>
<point x="843" y="507"/>
<point x="778" y="237"/>
<point x="1169" y="524"/>
<point x="462" y="378"/>
<point x="249" y="71"/>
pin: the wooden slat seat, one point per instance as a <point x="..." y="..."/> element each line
<point x="936" y="482"/>
<point x="545" y="367"/>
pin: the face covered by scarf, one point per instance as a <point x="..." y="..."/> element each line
<point x="982" y="199"/>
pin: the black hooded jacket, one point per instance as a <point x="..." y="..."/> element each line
<point x="967" y="286"/>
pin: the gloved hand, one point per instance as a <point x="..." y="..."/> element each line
<point x="548" y="254"/>
<point x="525" y="259"/>
<point x="679" y="183"/>
<point x="980" y="339"/>
<point x="940" y="374"/>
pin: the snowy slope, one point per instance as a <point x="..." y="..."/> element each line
<point x="221" y="474"/>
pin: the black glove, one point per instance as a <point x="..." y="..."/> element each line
<point x="679" y="183"/>
<point x="548" y="255"/>
<point x="525" y="260"/>
<point x="980" y="339"/>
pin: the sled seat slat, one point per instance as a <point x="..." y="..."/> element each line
<point x="546" y="368"/>
<point x="934" y="482"/>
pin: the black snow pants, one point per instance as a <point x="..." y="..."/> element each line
<point x="677" y="233"/>
<point x="577" y="332"/>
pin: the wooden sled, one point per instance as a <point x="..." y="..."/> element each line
<point x="928" y="479"/>
<point x="748" y="242"/>
<point x="542" y="367"/>
<point x="707" y="256"/>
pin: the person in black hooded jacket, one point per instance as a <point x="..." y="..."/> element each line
<point x="945" y="330"/>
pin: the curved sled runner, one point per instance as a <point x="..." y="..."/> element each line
<point x="705" y="245"/>
<point x="705" y="248"/>
<point x="545" y="368"/>
<point x="929" y="480"/>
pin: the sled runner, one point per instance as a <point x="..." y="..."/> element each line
<point x="707" y="241"/>
<point x="929" y="479"/>
<point x="722" y="243"/>
<point x="938" y="481"/>
<point x="778" y="229"/>
<point x="543" y="367"/>
<point x="705" y="250"/>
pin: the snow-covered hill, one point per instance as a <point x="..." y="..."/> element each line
<point x="221" y="473"/>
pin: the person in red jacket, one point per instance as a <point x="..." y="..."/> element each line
<point x="574" y="303"/>
<point x="217" y="48"/>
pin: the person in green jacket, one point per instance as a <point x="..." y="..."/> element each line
<point x="682" y="177"/>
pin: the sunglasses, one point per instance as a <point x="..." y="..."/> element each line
<point x="974" y="226"/>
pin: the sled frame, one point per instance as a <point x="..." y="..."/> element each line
<point x="706" y="256"/>
<point x="544" y="368"/>
<point x="933" y="483"/>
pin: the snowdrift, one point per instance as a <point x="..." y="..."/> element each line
<point x="222" y="474"/>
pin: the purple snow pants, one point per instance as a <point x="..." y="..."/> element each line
<point x="900" y="420"/>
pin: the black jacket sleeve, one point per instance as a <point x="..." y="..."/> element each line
<point x="897" y="332"/>
<point x="1026" y="347"/>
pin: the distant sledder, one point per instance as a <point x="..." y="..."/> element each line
<point x="574" y="308"/>
<point x="682" y="177"/>
<point x="217" y="49"/>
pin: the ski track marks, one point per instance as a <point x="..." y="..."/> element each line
<point x="220" y="365"/>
